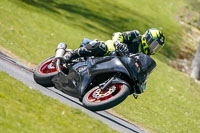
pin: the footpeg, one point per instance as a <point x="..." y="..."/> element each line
<point x="135" y="96"/>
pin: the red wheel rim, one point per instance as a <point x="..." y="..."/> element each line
<point x="98" y="95"/>
<point x="47" y="67"/>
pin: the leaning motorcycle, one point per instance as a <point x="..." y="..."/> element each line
<point x="98" y="82"/>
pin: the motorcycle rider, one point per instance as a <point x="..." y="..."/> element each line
<point x="130" y="41"/>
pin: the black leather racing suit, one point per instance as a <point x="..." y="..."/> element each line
<point x="99" y="48"/>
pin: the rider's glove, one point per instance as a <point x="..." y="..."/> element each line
<point x="120" y="46"/>
<point x="68" y="56"/>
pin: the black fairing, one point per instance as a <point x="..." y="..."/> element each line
<point x="139" y="66"/>
<point x="75" y="82"/>
<point x="147" y="63"/>
<point x="81" y="74"/>
<point x="101" y="66"/>
<point x="107" y="64"/>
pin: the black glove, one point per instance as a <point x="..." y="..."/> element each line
<point x="61" y="58"/>
<point x="120" y="46"/>
<point x="68" y="56"/>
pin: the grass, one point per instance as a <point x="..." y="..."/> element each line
<point x="23" y="109"/>
<point x="194" y="5"/>
<point x="29" y="26"/>
<point x="31" y="29"/>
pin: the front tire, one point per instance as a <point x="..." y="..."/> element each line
<point x="97" y="99"/>
<point x="44" y="72"/>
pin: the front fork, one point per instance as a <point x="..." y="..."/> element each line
<point x="104" y="85"/>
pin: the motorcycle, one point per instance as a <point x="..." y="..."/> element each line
<point x="99" y="83"/>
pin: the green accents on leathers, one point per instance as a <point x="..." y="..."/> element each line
<point x="127" y="33"/>
<point x="110" y="46"/>
<point x="118" y="37"/>
<point x="140" y="49"/>
<point x="149" y="43"/>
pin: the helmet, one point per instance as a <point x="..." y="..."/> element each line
<point x="152" y="40"/>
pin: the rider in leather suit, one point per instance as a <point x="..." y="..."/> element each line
<point x="130" y="41"/>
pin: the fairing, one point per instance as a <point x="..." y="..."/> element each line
<point x="107" y="64"/>
<point x="81" y="74"/>
<point x="139" y="66"/>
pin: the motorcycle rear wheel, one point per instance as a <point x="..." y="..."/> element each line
<point x="97" y="99"/>
<point x="44" y="72"/>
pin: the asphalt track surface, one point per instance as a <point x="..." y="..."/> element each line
<point x="25" y="75"/>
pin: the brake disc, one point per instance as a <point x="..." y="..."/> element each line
<point x="97" y="94"/>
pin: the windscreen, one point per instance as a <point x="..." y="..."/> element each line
<point x="146" y="63"/>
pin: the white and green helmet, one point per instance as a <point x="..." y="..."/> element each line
<point x="152" y="40"/>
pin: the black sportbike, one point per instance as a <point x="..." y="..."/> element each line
<point x="98" y="82"/>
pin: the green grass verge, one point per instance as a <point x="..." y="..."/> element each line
<point x="23" y="109"/>
<point x="32" y="28"/>
<point x="169" y="105"/>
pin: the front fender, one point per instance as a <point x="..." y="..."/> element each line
<point x="120" y="81"/>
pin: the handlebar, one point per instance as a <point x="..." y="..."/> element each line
<point x="121" y="53"/>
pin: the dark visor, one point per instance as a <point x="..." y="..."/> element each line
<point x="154" y="46"/>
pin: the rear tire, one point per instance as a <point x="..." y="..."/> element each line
<point x="44" y="72"/>
<point x="92" y="102"/>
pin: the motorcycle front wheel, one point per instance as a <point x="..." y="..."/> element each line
<point x="44" y="72"/>
<point x="97" y="99"/>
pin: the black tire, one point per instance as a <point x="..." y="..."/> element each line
<point x="44" y="77"/>
<point x="108" y="103"/>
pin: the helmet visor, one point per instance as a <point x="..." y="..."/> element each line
<point x="154" y="46"/>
